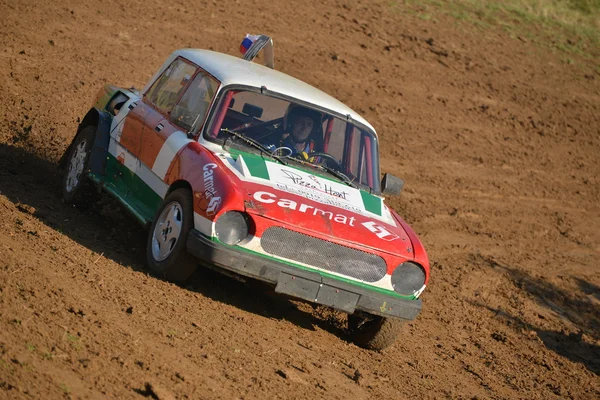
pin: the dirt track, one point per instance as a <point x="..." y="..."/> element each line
<point x="498" y="140"/>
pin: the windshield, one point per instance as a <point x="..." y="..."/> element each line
<point x="291" y="130"/>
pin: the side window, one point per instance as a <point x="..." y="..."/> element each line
<point x="360" y="157"/>
<point x="362" y="169"/>
<point x="357" y="153"/>
<point x="193" y="106"/>
<point x="336" y="141"/>
<point x="165" y="91"/>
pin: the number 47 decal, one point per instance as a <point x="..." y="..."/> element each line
<point x="380" y="231"/>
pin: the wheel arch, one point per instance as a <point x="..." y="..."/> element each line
<point x="179" y="184"/>
<point x="102" y="121"/>
<point x="91" y="118"/>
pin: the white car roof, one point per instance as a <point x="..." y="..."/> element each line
<point x="233" y="70"/>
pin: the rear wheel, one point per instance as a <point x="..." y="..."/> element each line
<point x="77" y="164"/>
<point x="372" y="331"/>
<point x="166" y="247"/>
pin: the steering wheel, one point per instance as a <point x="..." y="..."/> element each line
<point x="281" y="151"/>
<point x="329" y="159"/>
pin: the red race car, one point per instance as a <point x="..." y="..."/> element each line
<point x="236" y="165"/>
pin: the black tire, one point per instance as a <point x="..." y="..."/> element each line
<point x="77" y="164"/>
<point x="177" y="265"/>
<point x="373" y="332"/>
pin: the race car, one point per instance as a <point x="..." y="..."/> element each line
<point x="234" y="165"/>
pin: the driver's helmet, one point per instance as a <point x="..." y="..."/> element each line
<point x="294" y="111"/>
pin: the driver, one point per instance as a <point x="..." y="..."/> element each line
<point x="300" y="123"/>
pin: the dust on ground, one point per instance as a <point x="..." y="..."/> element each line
<point x="498" y="141"/>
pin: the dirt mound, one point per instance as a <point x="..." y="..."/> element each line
<point x="498" y="141"/>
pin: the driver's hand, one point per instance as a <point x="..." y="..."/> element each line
<point x="304" y="156"/>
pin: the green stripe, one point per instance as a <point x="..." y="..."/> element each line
<point x="110" y="190"/>
<point x="129" y="189"/>
<point x="257" y="166"/>
<point x="372" y="203"/>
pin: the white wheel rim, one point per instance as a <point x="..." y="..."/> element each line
<point x="76" y="166"/>
<point x="167" y="231"/>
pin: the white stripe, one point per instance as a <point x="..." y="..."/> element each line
<point x="150" y="178"/>
<point x="168" y="151"/>
<point x="204" y="225"/>
<point x="138" y="168"/>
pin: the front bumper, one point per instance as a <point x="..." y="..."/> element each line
<point x="306" y="285"/>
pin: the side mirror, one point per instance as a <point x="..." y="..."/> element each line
<point x="391" y="185"/>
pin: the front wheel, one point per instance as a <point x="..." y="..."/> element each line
<point x="77" y="164"/>
<point x="372" y="331"/>
<point x="166" y="247"/>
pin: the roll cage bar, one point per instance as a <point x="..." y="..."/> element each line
<point x="262" y="42"/>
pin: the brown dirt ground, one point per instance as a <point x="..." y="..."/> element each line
<point x="498" y="140"/>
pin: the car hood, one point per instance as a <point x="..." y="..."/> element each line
<point x="318" y="206"/>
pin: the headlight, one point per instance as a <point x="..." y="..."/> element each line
<point x="232" y="227"/>
<point x="408" y="279"/>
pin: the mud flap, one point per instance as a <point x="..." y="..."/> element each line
<point x="297" y="287"/>
<point x="337" y="298"/>
<point x="317" y="292"/>
<point x="101" y="140"/>
<point x="100" y="147"/>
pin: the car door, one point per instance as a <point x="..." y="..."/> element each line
<point x="168" y="129"/>
<point x="131" y="135"/>
<point x="160" y="98"/>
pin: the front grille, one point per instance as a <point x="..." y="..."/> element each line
<point x="323" y="254"/>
